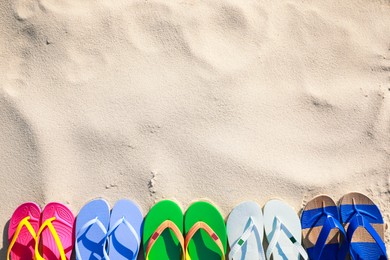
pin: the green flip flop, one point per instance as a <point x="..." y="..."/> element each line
<point x="205" y="231"/>
<point x="163" y="232"/>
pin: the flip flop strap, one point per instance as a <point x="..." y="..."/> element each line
<point x="49" y="224"/>
<point x="244" y="237"/>
<point x="275" y="238"/>
<point x="132" y="230"/>
<point x="195" y="228"/>
<point x="166" y="224"/>
<point x="84" y="229"/>
<point x="359" y="221"/>
<point x="23" y="223"/>
<point x="329" y="224"/>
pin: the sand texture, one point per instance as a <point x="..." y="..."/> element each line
<point x="225" y="100"/>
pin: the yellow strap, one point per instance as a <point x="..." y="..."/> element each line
<point x="23" y="223"/>
<point x="48" y="223"/>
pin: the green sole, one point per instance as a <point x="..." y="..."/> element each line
<point x="202" y="246"/>
<point x="167" y="246"/>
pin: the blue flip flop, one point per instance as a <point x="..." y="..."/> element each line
<point x="323" y="235"/>
<point x="91" y="230"/>
<point x="124" y="235"/>
<point x="365" y="227"/>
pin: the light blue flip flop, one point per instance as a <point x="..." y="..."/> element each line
<point x="283" y="231"/>
<point x="124" y="235"/>
<point x="91" y="230"/>
<point x="245" y="229"/>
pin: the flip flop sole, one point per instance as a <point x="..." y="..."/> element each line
<point x="63" y="225"/>
<point x="167" y="246"/>
<point x="311" y="230"/>
<point x="362" y="241"/>
<point x="202" y="246"/>
<point x="25" y="243"/>
<point x="91" y="243"/>
<point x="238" y="221"/>
<point x="288" y="216"/>
<point x="123" y="245"/>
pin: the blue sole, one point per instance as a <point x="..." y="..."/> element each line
<point x="91" y="243"/>
<point x="122" y="244"/>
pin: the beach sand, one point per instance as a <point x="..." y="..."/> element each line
<point x="220" y="100"/>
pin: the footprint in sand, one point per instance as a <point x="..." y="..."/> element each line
<point x="152" y="29"/>
<point x="25" y="9"/>
<point x="227" y="36"/>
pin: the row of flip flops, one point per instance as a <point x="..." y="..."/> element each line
<point x="355" y="229"/>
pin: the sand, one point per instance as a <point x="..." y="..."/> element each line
<point x="224" y="100"/>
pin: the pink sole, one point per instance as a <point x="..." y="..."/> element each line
<point x="64" y="226"/>
<point x="24" y="246"/>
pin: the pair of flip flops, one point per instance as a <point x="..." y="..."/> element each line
<point x="246" y="225"/>
<point x="105" y="234"/>
<point x="41" y="234"/>
<point x="357" y="228"/>
<point x="202" y="224"/>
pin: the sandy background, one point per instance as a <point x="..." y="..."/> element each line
<point x="224" y="100"/>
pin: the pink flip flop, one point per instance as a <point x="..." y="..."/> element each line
<point x="56" y="232"/>
<point x="23" y="227"/>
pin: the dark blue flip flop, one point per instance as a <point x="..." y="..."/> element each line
<point x="323" y="235"/>
<point x="365" y="227"/>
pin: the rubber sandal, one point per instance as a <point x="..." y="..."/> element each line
<point x="283" y="231"/>
<point x="91" y="230"/>
<point x="22" y="231"/>
<point x="163" y="232"/>
<point x="245" y="230"/>
<point x="365" y="227"/>
<point x="124" y="235"/>
<point x="205" y="231"/>
<point x="323" y="235"/>
<point x="56" y="232"/>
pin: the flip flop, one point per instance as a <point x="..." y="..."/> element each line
<point x="283" y="231"/>
<point x="91" y="230"/>
<point x="22" y="231"/>
<point x="125" y="230"/>
<point x="163" y="232"/>
<point x="245" y="230"/>
<point x="323" y="235"/>
<point x="56" y="231"/>
<point x="365" y="227"/>
<point x="205" y="232"/>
